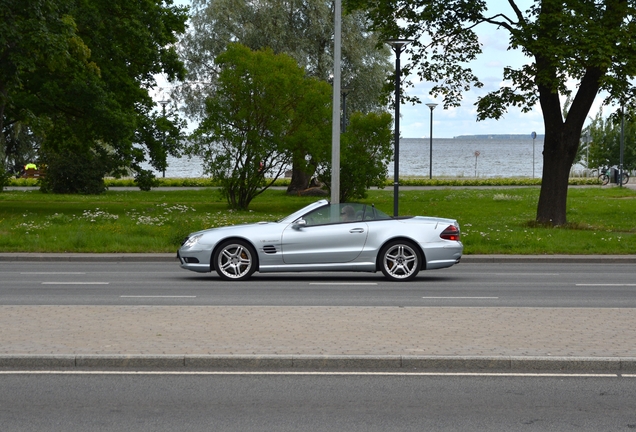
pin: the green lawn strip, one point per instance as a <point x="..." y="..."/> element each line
<point x="493" y="221"/>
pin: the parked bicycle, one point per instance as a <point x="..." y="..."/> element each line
<point x="625" y="178"/>
<point x="605" y="176"/>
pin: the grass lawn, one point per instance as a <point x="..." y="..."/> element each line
<point x="493" y="221"/>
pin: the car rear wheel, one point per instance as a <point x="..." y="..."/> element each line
<point x="235" y="260"/>
<point x="400" y="260"/>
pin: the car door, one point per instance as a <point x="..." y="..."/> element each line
<point x="323" y="242"/>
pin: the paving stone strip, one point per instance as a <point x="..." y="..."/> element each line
<point x="317" y="331"/>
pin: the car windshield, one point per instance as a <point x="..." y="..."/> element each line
<point x="298" y="213"/>
<point x="343" y="213"/>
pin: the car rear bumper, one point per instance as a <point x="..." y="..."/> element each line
<point x="445" y="255"/>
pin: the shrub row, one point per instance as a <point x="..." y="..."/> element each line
<point x="207" y="182"/>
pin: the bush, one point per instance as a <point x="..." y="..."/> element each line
<point x="146" y="180"/>
<point x="72" y="173"/>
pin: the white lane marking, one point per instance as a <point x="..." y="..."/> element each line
<point x="342" y="283"/>
<point x="53" y="273"/>
<point x="527" y="274"/>
<point x="454" y="298"/>
<point x="606" y="284"/>
<point x="155" y="296"/>
<point x="325" y="373"/>
<point x="75" y="283"/>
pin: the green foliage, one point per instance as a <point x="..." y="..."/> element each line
<point x="604" y="146"/>
<point x="365" y="150"/>
<point x="264" y="107"/>
<point x="76" y="73"/>
<point x="74" y="173"/>
<point x="303" y="29"/>
<point x="146" y="180"/>
<point x="20" y="147"/>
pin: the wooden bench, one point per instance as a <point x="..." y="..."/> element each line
<point x="33" y="173"/>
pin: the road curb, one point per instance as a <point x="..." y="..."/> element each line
<point x="163" y="257"/>
<point x="88" y="257"/>
<point x="188" y="362"/>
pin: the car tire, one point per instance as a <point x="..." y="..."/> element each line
<point x="235" y="260"/>
<point x="400" y="260"/>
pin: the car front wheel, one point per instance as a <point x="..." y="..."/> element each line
<point x="235" y="260"/>
<point x="400" y="261"/>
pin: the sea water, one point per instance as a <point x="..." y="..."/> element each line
<point x="468" y="157"/>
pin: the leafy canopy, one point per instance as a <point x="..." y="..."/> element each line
<point x="366" y="150"/>
<point x="77" y="73"/>
<point x="263" y="107"/>
<point x="592" y="42"/>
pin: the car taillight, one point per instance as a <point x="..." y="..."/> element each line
<point x="450" y="233"/>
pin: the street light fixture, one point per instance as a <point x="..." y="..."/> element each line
<point x="398" y="46"/>
<point x="430" y="146"/>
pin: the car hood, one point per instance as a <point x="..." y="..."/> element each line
<point x="242" y="228"/>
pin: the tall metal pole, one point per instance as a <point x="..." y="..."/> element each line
<point x="398" y="46"/>
<point x="430" y="145"/>
<point x="622" y="148"/>
<point x="534" y="136"/>
<point x="335" y="119"/>
<point x="163" y="135"/>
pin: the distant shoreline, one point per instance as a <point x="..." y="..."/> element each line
<point x="497" y="136"/>
<point x="493" y="137"/>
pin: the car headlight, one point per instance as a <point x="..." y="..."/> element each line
<point x="191" y="241"/>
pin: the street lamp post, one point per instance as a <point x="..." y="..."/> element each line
<point x="622" y="148"/>
<point x="398" y="46"/>
<point x="163" y="104"/>
<point x="534" y="137"/>
<point x="430" y="146"/>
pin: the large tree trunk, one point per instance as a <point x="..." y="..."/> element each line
<point x="558" y="155"/>
<point x="299" y="181"/>
<point x="561" y="144"/>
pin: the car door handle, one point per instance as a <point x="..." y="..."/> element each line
<point x="356" y="230"/>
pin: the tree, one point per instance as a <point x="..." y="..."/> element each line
<point x="77" y="72"/>
<point x="302" y="29"/>
<point x="605" y="135"/>
<point x="39" y="42"/>
<point x="20" y="147"/>
<point x="590" y="41"/>
<point x="263" y="107"/>
<point x="366" y="149"/>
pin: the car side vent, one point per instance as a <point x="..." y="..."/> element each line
<point x="269" y="249"/>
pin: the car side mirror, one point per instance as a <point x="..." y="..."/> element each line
<point x="299" y="224"/>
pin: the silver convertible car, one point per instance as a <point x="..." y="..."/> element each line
<point x="326" y="237"/>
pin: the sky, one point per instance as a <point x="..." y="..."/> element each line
<point x="452" y="122"/>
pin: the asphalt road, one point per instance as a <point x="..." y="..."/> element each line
<point x="325" y="402"/>
<point x="464" y="285"/>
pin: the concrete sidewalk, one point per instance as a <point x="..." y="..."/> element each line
<point x="239" y="337"/>
<point x="300" y="338"/>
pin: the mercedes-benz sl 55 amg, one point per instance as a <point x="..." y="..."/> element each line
<point x="326" y="237"/>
